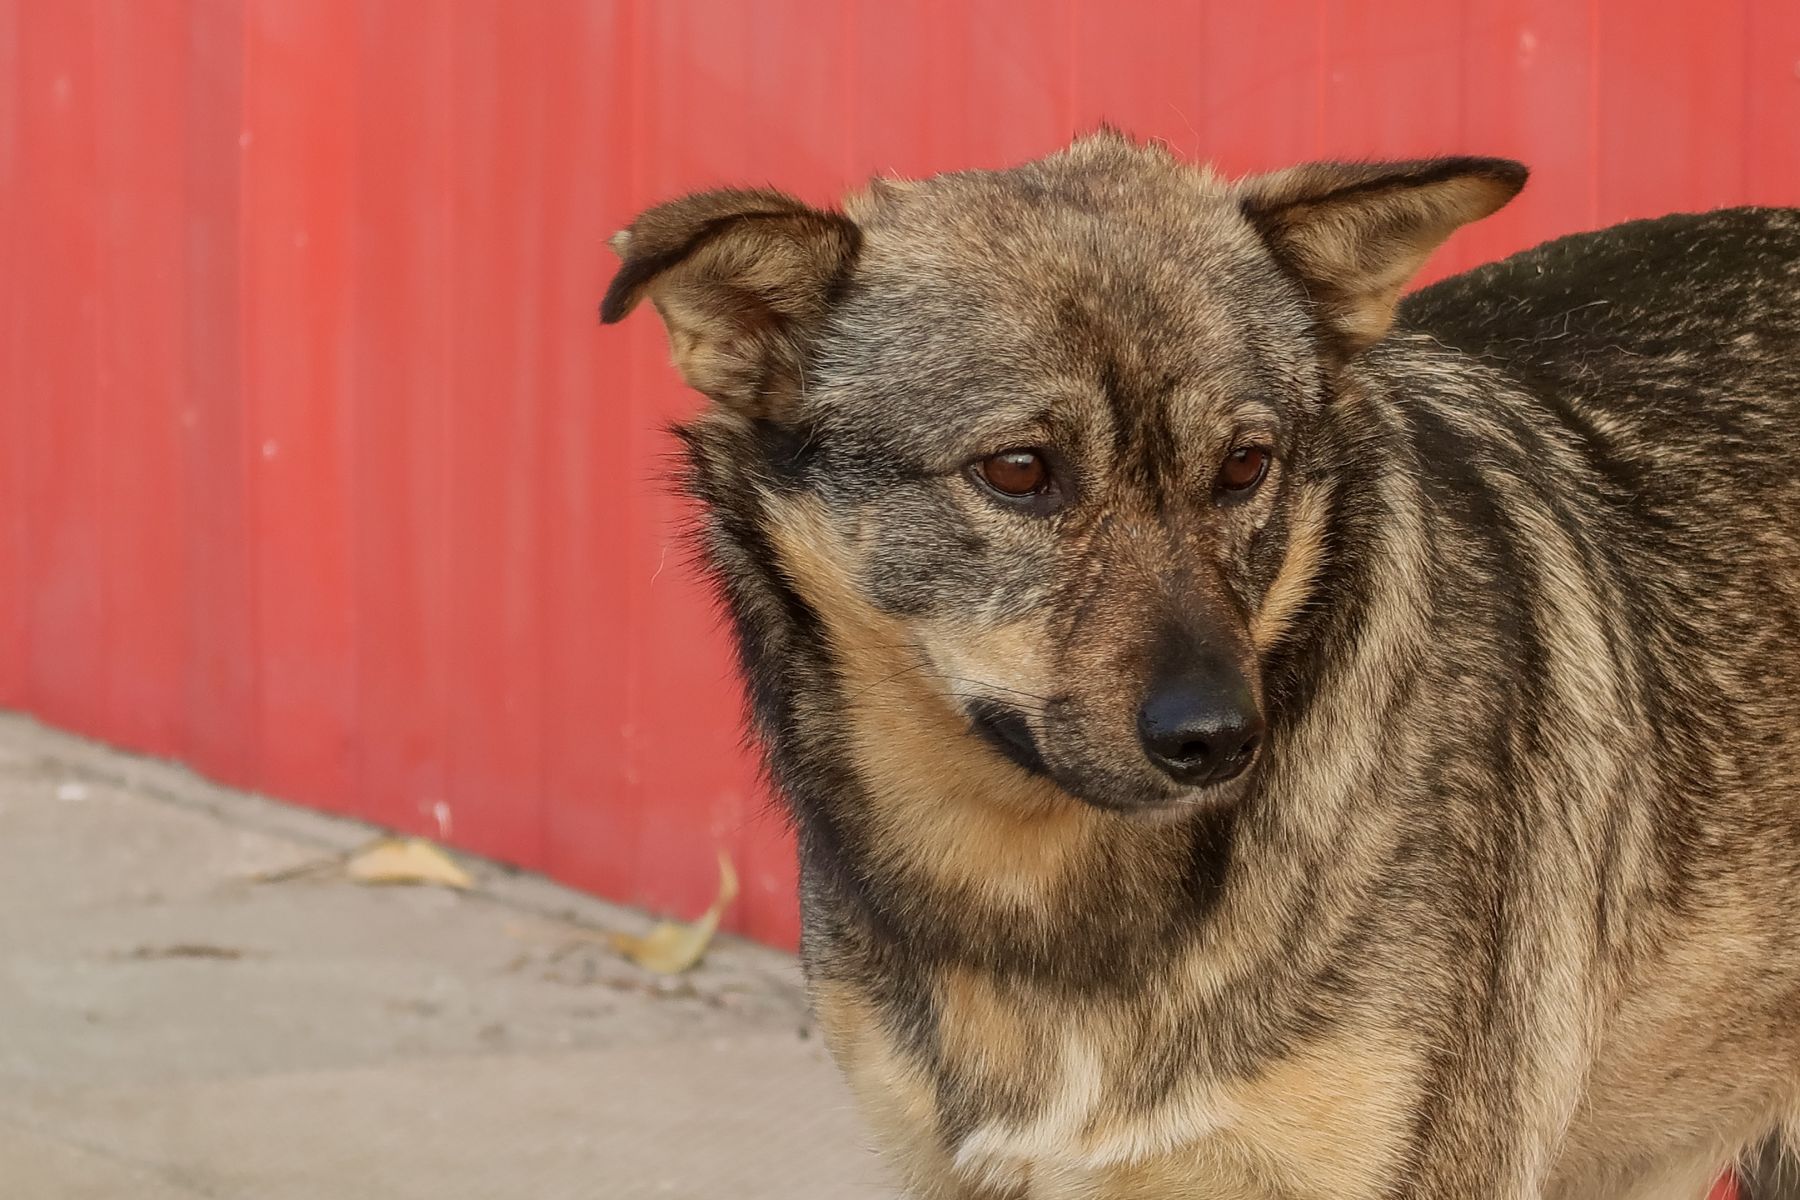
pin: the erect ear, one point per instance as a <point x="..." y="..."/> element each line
<point x="742" y="279"/>
<point x="1354" y="233"/>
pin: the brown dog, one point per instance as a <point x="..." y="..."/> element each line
<point x="1244" y="742"/>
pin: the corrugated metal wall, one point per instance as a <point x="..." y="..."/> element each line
<point x="316" y="472"/>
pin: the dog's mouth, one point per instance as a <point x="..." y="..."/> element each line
<point x="1004" y="728"/>
<point x="1006" y="731"/>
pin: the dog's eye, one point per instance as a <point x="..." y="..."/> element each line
<point x="1242" y="470"/>
<point x="1015" y="473"/>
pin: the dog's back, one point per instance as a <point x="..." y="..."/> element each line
<point x="1667" y="353"/>
<point x="1670" y="348"/>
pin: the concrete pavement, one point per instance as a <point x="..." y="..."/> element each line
<point x="171" y="1028"/>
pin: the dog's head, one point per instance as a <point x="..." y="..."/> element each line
<point x="1050" y="425"/>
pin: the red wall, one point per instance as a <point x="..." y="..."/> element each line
<point x="316" y="472"/>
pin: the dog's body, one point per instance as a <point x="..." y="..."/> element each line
<point x="1492" y="893"/>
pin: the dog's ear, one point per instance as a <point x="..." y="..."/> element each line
<point x="742" y="279"/>
<point x="1354" y="233"/>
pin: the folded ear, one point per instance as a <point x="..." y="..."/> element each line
<point x="1354" y="233"/>
<point x="742" y="280"/>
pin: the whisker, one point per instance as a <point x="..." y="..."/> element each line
<point x="976" y="695"/>
<point x="953" y="685"/>
<point x="997" y="687"/>
<point x="872" y="685"/>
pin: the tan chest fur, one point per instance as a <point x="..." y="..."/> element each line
<point x="1329" y="1121"/>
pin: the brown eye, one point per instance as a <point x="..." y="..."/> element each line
<point x="1016" y="473"/>
<point x="1243" y="469"/>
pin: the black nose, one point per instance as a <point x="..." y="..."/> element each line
<point x="1200" y="730"/>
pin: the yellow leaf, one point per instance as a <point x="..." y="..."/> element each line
<point x="672" y="947"/>
<point x="405" y="860"/>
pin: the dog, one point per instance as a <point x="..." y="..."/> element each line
<point x="1249" y="734"/>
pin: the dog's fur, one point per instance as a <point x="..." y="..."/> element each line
<point x="1505" y="907"/>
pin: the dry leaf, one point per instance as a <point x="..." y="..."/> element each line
<point x="672" y="947"/>
<point x="405" y="860"/>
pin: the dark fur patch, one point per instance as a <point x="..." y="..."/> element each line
<point x="1005" y="729"/>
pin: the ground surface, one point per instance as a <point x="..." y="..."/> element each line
<point x="174" y="1023"/>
